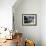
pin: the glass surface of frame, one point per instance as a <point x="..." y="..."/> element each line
<point x="29" y="19"/>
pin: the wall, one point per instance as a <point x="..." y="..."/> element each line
<point x="43" y="22"/>
<point x="6" y="13"/>
<point x="28" y="7"/>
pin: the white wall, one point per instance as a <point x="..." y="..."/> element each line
<point x="6" y="13"/>
<point x="43" y="22"/>
<point x="37" y="33"/>
<point x="28" y="7"/>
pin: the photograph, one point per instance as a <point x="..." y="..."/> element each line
<point x="29" y="19"/>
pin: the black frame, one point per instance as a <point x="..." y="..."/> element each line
<point x="29" y="15"/>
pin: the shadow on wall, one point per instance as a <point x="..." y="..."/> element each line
<point x="17" y="4"/>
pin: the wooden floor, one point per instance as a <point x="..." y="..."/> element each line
<point x="9" y="43"/>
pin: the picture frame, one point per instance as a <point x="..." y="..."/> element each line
<point x="29" y="19"/>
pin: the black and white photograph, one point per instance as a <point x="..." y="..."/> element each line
<point x="29" y="19"/>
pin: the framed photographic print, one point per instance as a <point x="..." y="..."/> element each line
<point x="29" y="19"/>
